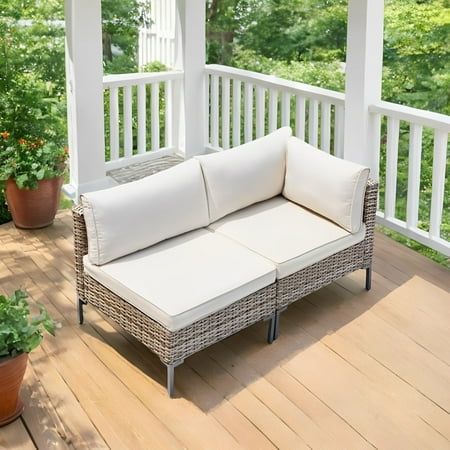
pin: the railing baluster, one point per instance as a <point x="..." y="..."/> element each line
<point x="248" y="112"/>
<point x="325" y="127"/>
<point x="176" y="113"/>
<point x="168" y="113"/>
<point x="207" y="109"/>
<point x="437" y="195"/>
<point x="155" y="116"/>
<point x="273" y="110"/>
<point x="128" y="121"/>
<point x="215" y="111"/>
<point x="260" y="111"/>
<point x="114" y="122"/>
<point x="415" y="153"/>
<point x="142" y="118"/>
<point x="236" y="113"/>
<point x="390" y="196"/>
<point x="285" y="109"/>
<point x="313" y="119"/>
<point x="225" y="113"/>
<point x="339" y="131"/>
<point x="300" y="117"/>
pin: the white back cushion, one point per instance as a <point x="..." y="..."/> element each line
<point x="244" y="175"/>
<point x="330" y="186"/>
<point x="133" y="216"/>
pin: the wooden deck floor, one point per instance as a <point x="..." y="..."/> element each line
<point x="351" y="369"/>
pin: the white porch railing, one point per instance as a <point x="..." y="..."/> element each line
<point x="141" y="116"/>
<point x="410" y="136"/>
<point x="243" y="105"/>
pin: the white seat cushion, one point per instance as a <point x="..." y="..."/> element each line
<point x="327" y="185"/>
<point x="244" y="175"/>
<point x="136" y="215"/>
<point x="290" y="236"/>
<point x="186" y="278"/>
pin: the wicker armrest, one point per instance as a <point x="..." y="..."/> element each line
<point x="80" y="246"/>
<point x="369" y="216"/>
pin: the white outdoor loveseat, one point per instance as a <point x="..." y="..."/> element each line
<point x="191" y="255"/>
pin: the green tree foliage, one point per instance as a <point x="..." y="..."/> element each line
<point x="121" y="21"/>
<point x="417" y="53"/>
<point x="293" y="36"/>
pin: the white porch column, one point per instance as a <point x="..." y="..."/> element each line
<point x="363" y="77"/>
<point x="84" y="73"/>
<point x="190" y="57"/>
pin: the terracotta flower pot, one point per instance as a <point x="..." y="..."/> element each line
<point x="34" y="208"/>
<point x="12" y="371"/>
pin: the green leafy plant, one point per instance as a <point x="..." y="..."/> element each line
<point x="19" y="331"/>
<point x="28" y="161"/>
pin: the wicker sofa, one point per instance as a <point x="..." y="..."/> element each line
<point x="189" y="256"/>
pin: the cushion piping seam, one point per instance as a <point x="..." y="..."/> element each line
<point x="206" y="190"/>
<point x="353" y="198"/>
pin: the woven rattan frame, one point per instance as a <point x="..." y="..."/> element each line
<point x="324" y="272"/>
<point x="170" y="346"/>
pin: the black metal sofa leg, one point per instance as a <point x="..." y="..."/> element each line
<point x="368" y="278"/>
<point x="80" y="311"/>
<point x="277" y="324"/>
<point x="272" y="327"/>
<point x="171" y="377"/>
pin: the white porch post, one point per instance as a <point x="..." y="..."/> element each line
<point x="84" y="73"/>
<point x="363" y="81"/>
<point x="190" y="57"/>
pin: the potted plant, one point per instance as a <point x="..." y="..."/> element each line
<point x="19" y="334"/>
<point x="32" y="171"/>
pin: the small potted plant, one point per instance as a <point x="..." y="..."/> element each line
<point x="32" y="171"/>
<point x="20" y="333"/>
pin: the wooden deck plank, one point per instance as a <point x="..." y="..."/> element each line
<point x="355" y="399"/>
<point x="320" y="323"/>
<point x="247" y="345"/>
<point x="276" y="401"/>
<point x="383" y="391"/>
<point x="391" y="254"/>
<point x="402" y="356"/>
<point x="260" y="415"/>
<point x="426" y="323"/>
<point x="41" y="419"/>
<point x="15" y="436"/>
<point x="351" y="369"/>
<point x="79" y="427"/>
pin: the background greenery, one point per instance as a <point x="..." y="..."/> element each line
<point x="302" y="40"/>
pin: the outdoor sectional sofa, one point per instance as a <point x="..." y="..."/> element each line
<point x="191" y="255"/>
